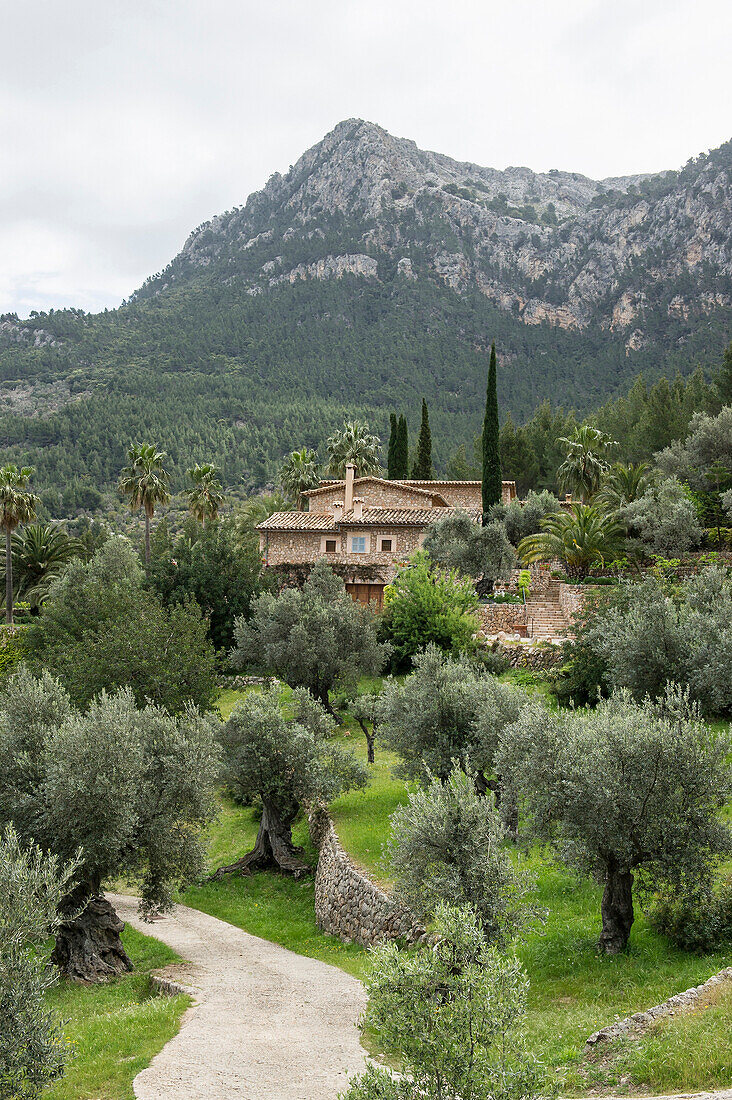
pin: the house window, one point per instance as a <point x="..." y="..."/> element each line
<point x="330" y="546"/>
<point x="358" y="544"/>
<point x="386" y="546"/>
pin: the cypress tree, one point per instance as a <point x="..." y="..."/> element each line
<point x="391" y="456"/>
<point x="402" y="449"/>
<point x="492" y="476"/>
<point x="422" y="469"/>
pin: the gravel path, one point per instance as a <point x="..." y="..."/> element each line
<point x="267" y="1024"/>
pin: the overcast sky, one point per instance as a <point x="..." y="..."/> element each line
<point x="125" y="124"/>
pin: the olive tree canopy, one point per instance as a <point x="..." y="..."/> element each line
<point x="630" y="792"/>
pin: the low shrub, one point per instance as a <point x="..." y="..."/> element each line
<point x="700" y="922"/>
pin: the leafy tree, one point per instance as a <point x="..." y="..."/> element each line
<point x="17" y="505"/>
<point x="445" y="845"/>
<point x="518" y="456"/>
<point x="483" y="553"/>
<point x="422" y="469"/>
<point x="662" y="521"/>
<point x="426" y="604"/>
<point x="585" y="463"/>
<point x="447" y="711"/>
<point x="645" y="637"/>
<point x="33" y="1049"/>
<point x="315" y="637"/>
<point x="391" y="459"/>
<point x="355" y="444"/>
<point x="523" y="517"/>
<point x="723" y="379"/>
<point x="363" y="709"/>
<point x="492" y="476"/>
<point x="100" y="629"/>
<point x="580" y="538"/>
<point x="630" y="792"/>
<point x="41" y="551"/>
<point x="132" y="788"/>
<point x="284" y="762"/>
<point x="298" y="473"/>
<point x="206" y="495"/>
<point x="145" y="483"/>
<point x="704" y="461"/>
<point x="401" y="463"/>
<point x="453" y="1016"/>
<point x="217" y="568"/>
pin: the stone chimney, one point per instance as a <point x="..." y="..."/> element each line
<point x="350" y="475"/>
<point x="358" y="507"/>
<point x="337" y="510"/>
<point x="568" y="498"/>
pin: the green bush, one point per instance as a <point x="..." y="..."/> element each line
<point x="699" y="922"/>
<point x="12" y="650"/>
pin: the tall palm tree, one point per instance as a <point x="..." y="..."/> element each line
<point x="298" y="473"/>
<point x="40" y="553"/>
<point x="17" y="505"/>
<point x="145" y="483"/>
<point x="354" y="443"/>
<point x="585" y="461"/>
<point x="207" y="494"/>
<point x="579" y="538"/>
<point x="624" y="484"/>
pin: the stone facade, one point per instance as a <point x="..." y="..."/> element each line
<point x="375" y="492"/>
<point x="285" y="547"/>
<point x="347" y="903"/>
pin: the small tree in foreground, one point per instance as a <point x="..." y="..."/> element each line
<point x="131" y="788"/>
<point x="315" y="637"/>
<point x="285" y="763"/>
<point x="446" y="844"/>
<point x="32" y="1045"/>
<point x="630" y="793"/>
<point x="453" y="1017"/>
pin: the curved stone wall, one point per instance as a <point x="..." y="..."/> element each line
<point x="347" y="903"/>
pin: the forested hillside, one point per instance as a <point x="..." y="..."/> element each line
<point x="371" y="275"/>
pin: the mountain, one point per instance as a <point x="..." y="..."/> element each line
<point x="371" y="274"/>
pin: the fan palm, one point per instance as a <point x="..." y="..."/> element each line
<point x="585" y="462"/>
<point x="624" y="484"/>
<point x="207" y="494"/>
<point x="579" y="539"/>
<point x="17" y="505"/>
<point x="354" y="443"/>
<point x="40" y="553"/>
<point x="298" y="473"/>
<point x="145" y="483"/>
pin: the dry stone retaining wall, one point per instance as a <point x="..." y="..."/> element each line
<point x="536" y="658"/>
<point x="509" y="617"/>
<point x="347" y="903"/>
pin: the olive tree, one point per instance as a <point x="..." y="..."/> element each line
<point x="630" y="792"/>
<point x="523" y="517"/>
<point x="446" y="844"/>
<point x="662" y="521"/>
<point x="33" y="1049"/>
<point x="483" y="553"/>
<point x="448" y="710"/>
<point x="315" y="637"/>
<point x="453" y="1017"/>
<point x="132" y="788"/>
<point x="284" y="762"/>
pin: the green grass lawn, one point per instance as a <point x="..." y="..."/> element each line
<point x="115" y="1029"/>
<point x="574" y="991"/>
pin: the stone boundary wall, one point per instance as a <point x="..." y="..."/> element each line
<point x="573" y="596"/>
<point x="641" y="1021"/>
<point x="536" y="658"/>
<point x="509" y="617"/>
<point x="347" y="903"/>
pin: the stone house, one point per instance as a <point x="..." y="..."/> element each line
<point x="369" y="524"/>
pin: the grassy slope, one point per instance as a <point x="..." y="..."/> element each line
<point x="573" y="990"/>
<point x="117" y="1028"/>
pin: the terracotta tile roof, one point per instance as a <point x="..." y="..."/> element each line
<point x="299" y="521"/>
<point x="402" y="517"/>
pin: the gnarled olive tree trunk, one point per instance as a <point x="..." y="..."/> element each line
<point x="88" y="945"/>
<point x="617" y="911"/>
<point x="273" y="847"/>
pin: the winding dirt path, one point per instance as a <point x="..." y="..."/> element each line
<point x="266" y="1024"/>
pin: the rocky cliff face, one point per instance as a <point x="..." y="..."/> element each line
<point x="621" y="254"/>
